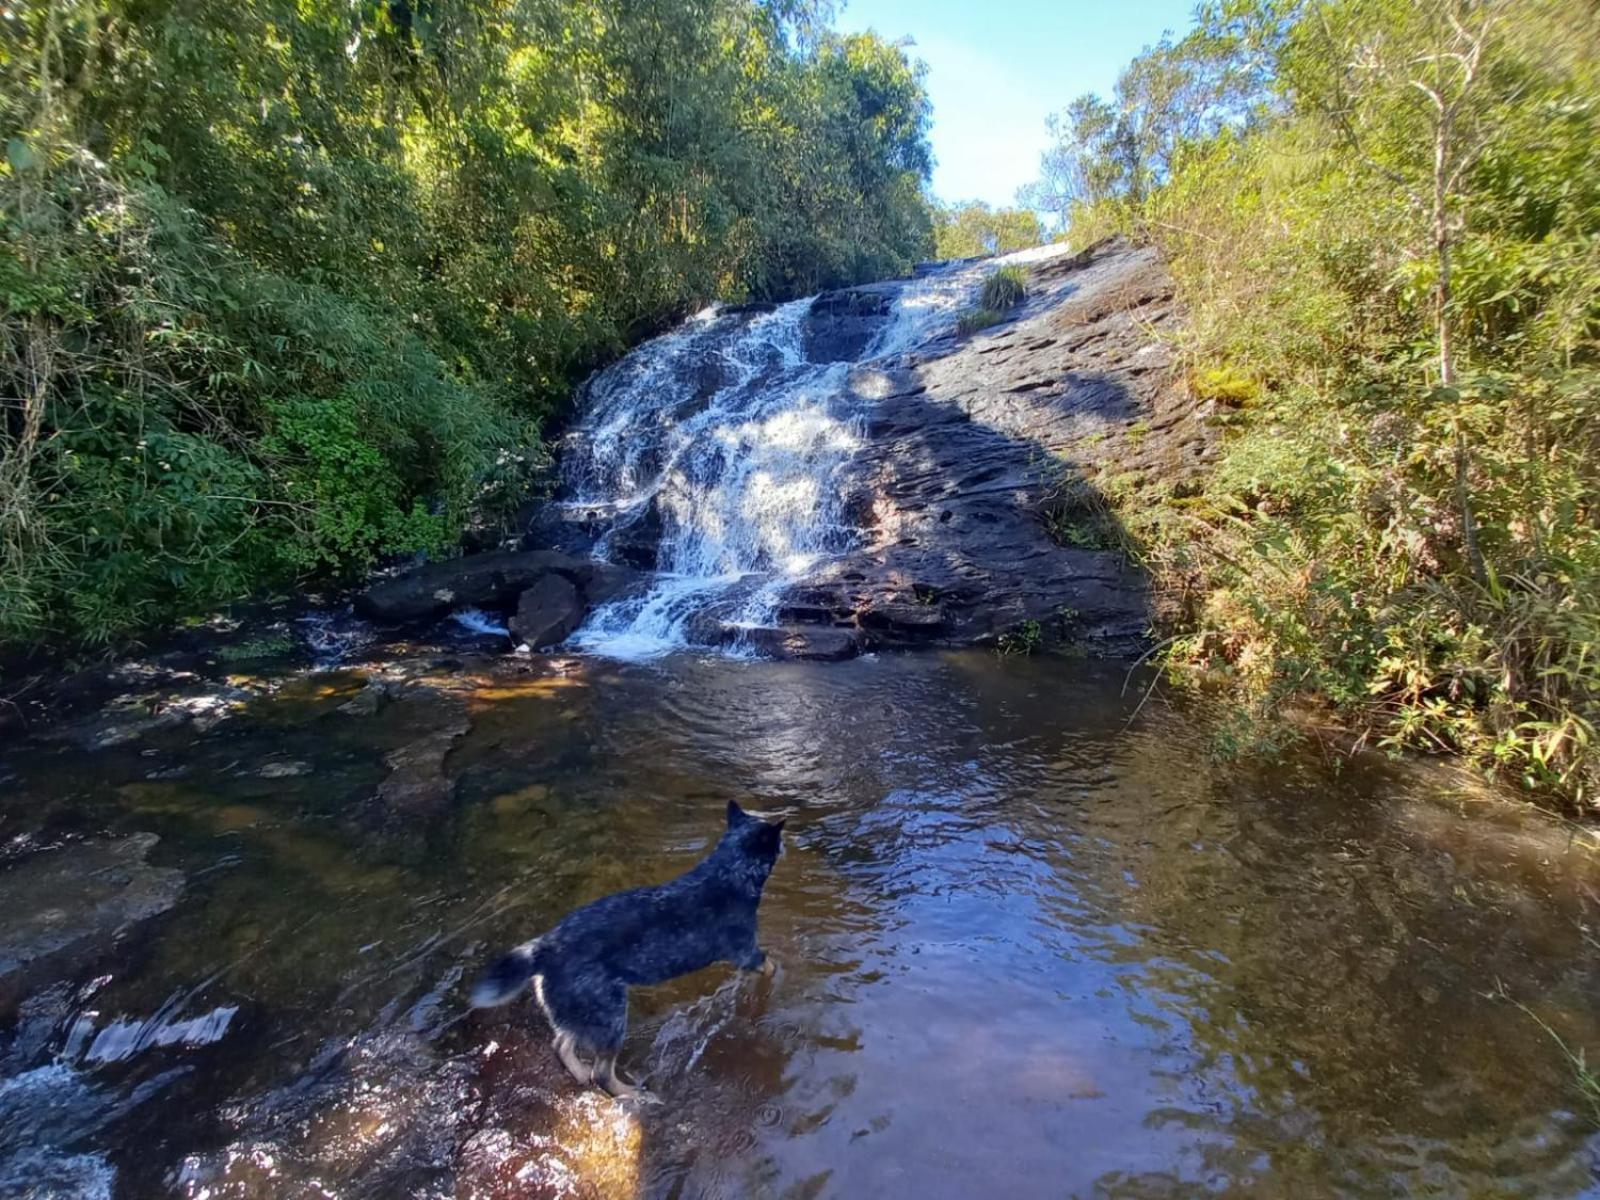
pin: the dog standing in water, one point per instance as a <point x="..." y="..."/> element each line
<point x="582" y="969"/>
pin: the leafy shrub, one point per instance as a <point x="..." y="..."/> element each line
<point x="288" y="287"/>
<point x="1417" y="556"/>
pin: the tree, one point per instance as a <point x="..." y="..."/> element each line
<point x="290" y="285"/>
<point x="975" y="228"/>
<point x="1172" y="96"/>
<point x="1403" y="84"/>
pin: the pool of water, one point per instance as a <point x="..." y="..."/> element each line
<point x="1031" y="940"/>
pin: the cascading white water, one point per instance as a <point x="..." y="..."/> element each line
<point x="729" y="444"/>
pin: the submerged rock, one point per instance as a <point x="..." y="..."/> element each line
<point x="417" y="783"/>
<point x="63" y="907"/>
<point x="368" y="700"/>
<point x="131" y="718"/>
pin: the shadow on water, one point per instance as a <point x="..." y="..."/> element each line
<point x="1024" y="947"/>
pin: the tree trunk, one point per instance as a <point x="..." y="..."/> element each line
<point x="1447" y="353"/>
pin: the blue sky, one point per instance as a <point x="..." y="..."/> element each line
<point x="996" y="69"/>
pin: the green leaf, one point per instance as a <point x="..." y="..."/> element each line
<point x="20" y="155"/>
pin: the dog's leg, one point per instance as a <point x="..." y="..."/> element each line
<point x="567" y="1051"/>
<point x="756" y="959"/>
<point x="605" y="1074"/>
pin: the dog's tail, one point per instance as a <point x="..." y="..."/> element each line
<point x="501" y="982"/>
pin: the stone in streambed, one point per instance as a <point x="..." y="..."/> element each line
<point x="548" y="612"/>
<point x="491" y="581"/>
<point x="804" y="643"/>
<point x="64" y="907"/>
<point x="417" y="783"/>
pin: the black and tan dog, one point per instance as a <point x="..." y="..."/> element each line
<point x="582" y="969"/>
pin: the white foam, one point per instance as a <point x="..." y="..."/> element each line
<point x="478" y="621"/>
<point x="747" y="480"/>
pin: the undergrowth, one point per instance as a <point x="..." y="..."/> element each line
<point x="1411" y="550"/>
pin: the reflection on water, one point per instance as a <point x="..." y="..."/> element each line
<point x="1024" y="948"/>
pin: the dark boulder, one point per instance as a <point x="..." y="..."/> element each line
<point x="909" y="619"/>
<point x="840" y="325"/>
<point x="604" y="582"/>
<point x="493" y="581"/>
<point x="809" y="643"/>
<point x="638" y="543"/>
<point x="548" y="612"/>
<point x="477" y="581"/>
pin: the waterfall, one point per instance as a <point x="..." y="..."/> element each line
<point x="720" y="449"/>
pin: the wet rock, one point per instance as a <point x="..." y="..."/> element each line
<point x="132" y="718"/>
<point x="840" y="325"/>
<point x="417" y="783"/>
<point x="66" y="906"/>
<point x="535" y="1133"/>
<point x="801" y="642"/>
<point x="477" y="581"/>
<point x="605" y="582"/>
<point x="906" y="618"/>
<point x="984" y="459"/>
<point x="638" y="543"/>
<point x="491" y="581"/>
<point x="978" y="481"/>
<point x="381" y="1113"/>
<point x="368" y="700"/>
<point x="548" y="612"/>
<point x="117" y="726"/>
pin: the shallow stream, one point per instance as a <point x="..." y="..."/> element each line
<point x="1032" y="940"/>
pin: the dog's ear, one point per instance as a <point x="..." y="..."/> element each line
<point x="780" y="823"/>
<point x="736" y="814"/>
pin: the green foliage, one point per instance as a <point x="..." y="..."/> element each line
<point x="1225" y="385"/>
<point x="1079" y="516"/>
<point x="1419" y="552"/>
<point x="974" y="229"/>
<point x="1027" y="638"/>
<point x="269" y="645"/>
<point x="1003" y="289"/>
<point x="289" y="286"/>
<point x="974" y="320"/>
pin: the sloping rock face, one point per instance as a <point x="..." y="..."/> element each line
<point x="974" y="485"/>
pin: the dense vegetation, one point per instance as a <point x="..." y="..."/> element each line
<point x="1384" y="216"/>
<point x="289" y="285"/>
<point x="975" y="228"/>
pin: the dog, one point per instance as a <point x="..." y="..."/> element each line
<point x="582" y="969"/>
